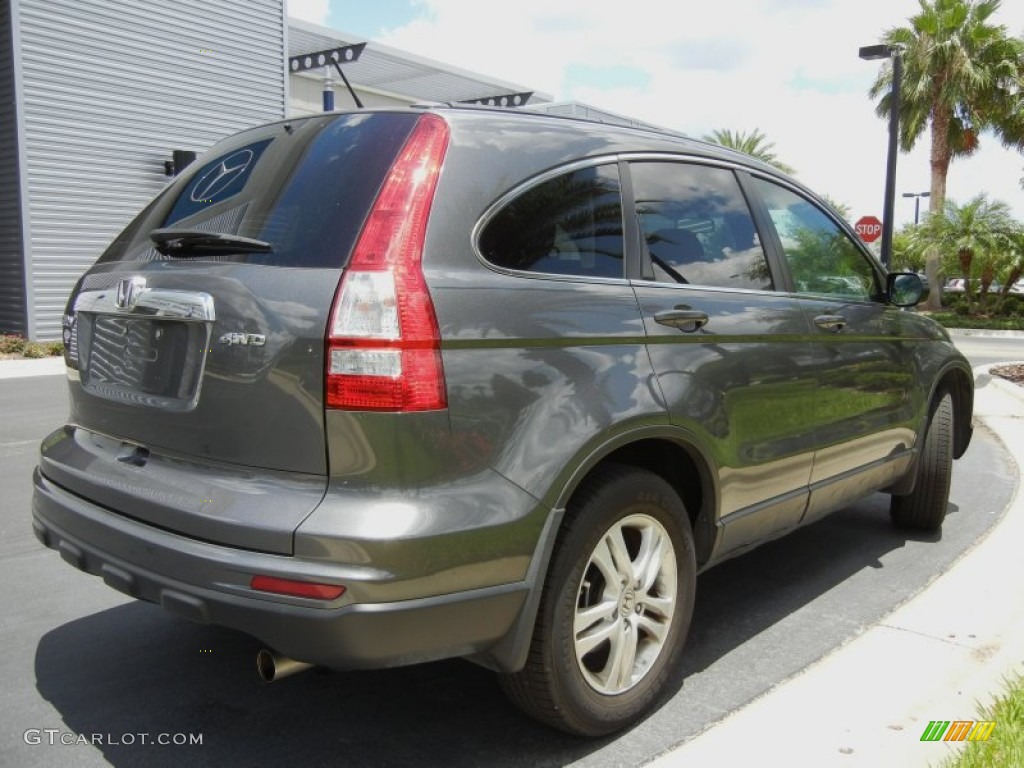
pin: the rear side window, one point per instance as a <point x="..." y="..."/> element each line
<point x="697" y="227"/>
<point x="303" y="186"/>
<point x="568" y="225"/>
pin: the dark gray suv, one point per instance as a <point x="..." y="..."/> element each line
<point x="399" y="385"/>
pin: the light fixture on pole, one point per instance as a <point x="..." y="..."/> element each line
<point x="894" y="52"/>
<point x="347" y="54"/>
<point x="917" y="203"/>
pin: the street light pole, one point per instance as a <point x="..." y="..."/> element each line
<point x="917" y="203"/>
<point x="894" y="52"/>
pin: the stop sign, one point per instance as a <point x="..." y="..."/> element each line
<point x="868" y="228"/>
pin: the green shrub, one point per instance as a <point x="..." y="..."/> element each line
<point x="957" y="320"/>
<point x="55" y="348"/>
<point x="954" y="302"/>
<point x="11" y="344"/>
<point x="1012" y="305"/>
<point x="35" y="349"/>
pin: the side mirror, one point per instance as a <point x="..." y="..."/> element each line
<point x="906" y="289"/>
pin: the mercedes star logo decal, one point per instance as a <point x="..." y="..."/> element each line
<point x="221" y="176"/>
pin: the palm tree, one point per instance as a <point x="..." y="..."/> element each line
<point x="961" y="76"/>
<point x="841" y="208"/>
<point x="753" y="143"/>
<point x="1012" y="132"/>
<point x="972" y="236"/>
<point x="1013" y="263"/>
<point x="908" y="249"/>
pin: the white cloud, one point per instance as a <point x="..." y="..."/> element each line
<point x="787" y="67"/>
<point x="315" y="11"/>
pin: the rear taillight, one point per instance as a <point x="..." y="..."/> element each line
<point x="383" y="343"/>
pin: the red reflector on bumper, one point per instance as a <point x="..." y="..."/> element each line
<point x="297" y="588"/>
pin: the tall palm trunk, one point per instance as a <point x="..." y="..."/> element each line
<point x="941" y="156"/>
<point x="1011" y="280"/>
<point x="966" y="258"/>
<point x="988" y="274"/>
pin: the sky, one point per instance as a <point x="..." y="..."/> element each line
<point x="788" y="68"/>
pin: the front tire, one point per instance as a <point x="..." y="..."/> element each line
<point x="616" y="607"/>
<point x="924" y="508"/>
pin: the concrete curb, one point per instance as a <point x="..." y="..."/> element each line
<point x="982" y="377"/>
<point x="984" y="333"/>
<point x="934" y="658"/>
<point x="45" y="366"/>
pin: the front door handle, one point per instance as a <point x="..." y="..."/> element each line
<point x="688" y="320"/>
<point x="833" y="323"/>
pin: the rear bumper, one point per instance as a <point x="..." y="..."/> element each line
<point x="208" y="583"/>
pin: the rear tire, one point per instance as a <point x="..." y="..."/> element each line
<point x="924" y="508"/>
<point x="616" y="607"/>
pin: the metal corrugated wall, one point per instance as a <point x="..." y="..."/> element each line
<point x="110" y="88"/>
<point x="12" y="264"/>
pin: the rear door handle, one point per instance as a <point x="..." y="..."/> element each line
<point x="833" y="323"/>
<point x="688" y="320"/>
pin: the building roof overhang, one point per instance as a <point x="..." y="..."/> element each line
<point x="389" y="70"/>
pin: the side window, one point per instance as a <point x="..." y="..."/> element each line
<point x="697" y="226"/>
<point x="821" y="256"/>
<point x="568" y="225"/>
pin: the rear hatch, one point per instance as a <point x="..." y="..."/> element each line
<point x="196" y="343"/>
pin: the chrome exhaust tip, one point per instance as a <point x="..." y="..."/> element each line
<point x="273" y="666"/>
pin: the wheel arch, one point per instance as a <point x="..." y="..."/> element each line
<point x="958" y="382"/>
<point x="675" y="457"/>
<point x="669" y="452"/>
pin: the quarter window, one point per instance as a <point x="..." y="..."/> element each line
<point x="822" y="258"/>
<point x="697" y="227"/>
<point x="568" y="225"/>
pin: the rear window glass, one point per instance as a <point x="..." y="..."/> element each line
<point x="216" y="181"/>
<point x="304" y="186"/>
<point x="568" y="225"/>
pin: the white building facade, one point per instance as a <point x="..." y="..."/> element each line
<point x="101" y="93"/>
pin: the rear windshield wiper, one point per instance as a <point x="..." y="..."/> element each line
<point x="193" y="242"/>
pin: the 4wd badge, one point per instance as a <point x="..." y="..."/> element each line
<point x="244" y="339"/>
